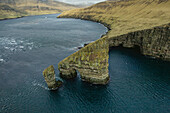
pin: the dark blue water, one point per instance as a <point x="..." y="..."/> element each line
<point x="28" y="45"/>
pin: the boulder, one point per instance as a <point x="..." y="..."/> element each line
<point x="83" y="46"/>
<point x="79" y="47"/>
<point x="86" y="44"/>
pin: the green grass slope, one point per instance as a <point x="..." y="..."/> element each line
<point x="19" y="8"/>
<point x="125" y="16"/>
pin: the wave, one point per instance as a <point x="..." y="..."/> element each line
<point x="34" y="83"/>
<point x="2" y="60"/>
<point x="58" y="78"/>
<point x="82" y="44"/>
<point x="16" y="44"/>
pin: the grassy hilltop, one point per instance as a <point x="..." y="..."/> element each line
<point x="19" y="8"/>
<point x="125" y="16"/>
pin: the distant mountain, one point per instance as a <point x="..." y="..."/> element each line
<point x="19" y="8"/>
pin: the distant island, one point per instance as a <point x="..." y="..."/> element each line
<point x="19" y="8"/>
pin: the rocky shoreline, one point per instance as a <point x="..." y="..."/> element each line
<point x="25" y="16"/>
<point x="12" y="18"/>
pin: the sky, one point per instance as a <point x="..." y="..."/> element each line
<point x="81" y="1"/>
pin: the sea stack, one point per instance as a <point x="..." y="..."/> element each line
<point x="49" y="75"/>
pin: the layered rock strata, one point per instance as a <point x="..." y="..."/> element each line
<point x="91" y="62"/>
<point x="153" y="42"/>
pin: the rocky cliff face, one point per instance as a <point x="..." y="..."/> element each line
<point x="153" y="42"/>
<point x="91" y="61"/>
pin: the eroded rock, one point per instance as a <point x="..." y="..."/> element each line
<point x="49" y="75"/>
<point x="91" y="62"/>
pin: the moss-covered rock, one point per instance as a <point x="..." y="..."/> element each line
<point x="91" y="62"/>
<point x="49" y="75"/>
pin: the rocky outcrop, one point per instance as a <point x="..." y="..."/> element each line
<point x="91" y="62"/>
<point x="49" y="75"/>
<point x="153" y="42"/>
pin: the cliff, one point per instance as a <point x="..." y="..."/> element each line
<point x="154" y="42"/>
<point x="143" y="23"/>
<point x="91" y="61"/>
<point x="19" y="8"/>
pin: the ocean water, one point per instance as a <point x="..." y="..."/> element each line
<point x="28" y="45"/>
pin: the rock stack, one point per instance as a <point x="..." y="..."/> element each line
<point x="49" y="75"/>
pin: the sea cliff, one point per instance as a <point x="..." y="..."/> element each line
<point x="143" y="23"/>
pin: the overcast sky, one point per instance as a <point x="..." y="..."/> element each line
<point x="81" y="1"/>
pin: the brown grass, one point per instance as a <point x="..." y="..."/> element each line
<point x="125" y="16"/>
<point x="30" y="8"/>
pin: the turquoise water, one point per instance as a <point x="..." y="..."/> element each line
<point x="28" y="45"/>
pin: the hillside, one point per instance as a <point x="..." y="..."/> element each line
<point x="126" y="15"/>
<point x="19" y="8"/>
<point x="133" y="23"/>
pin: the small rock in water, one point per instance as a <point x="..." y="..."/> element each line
<point x="49" y="75"/>
<point x="86" y="44"/>
<point x="79" y="47"/>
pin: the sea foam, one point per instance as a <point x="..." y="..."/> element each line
<point x="2" y="60"/>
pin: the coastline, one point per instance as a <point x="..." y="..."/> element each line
<point x="104" y="24"/>
<point x="27" y="16"/>
<point x="12" y="18"/>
